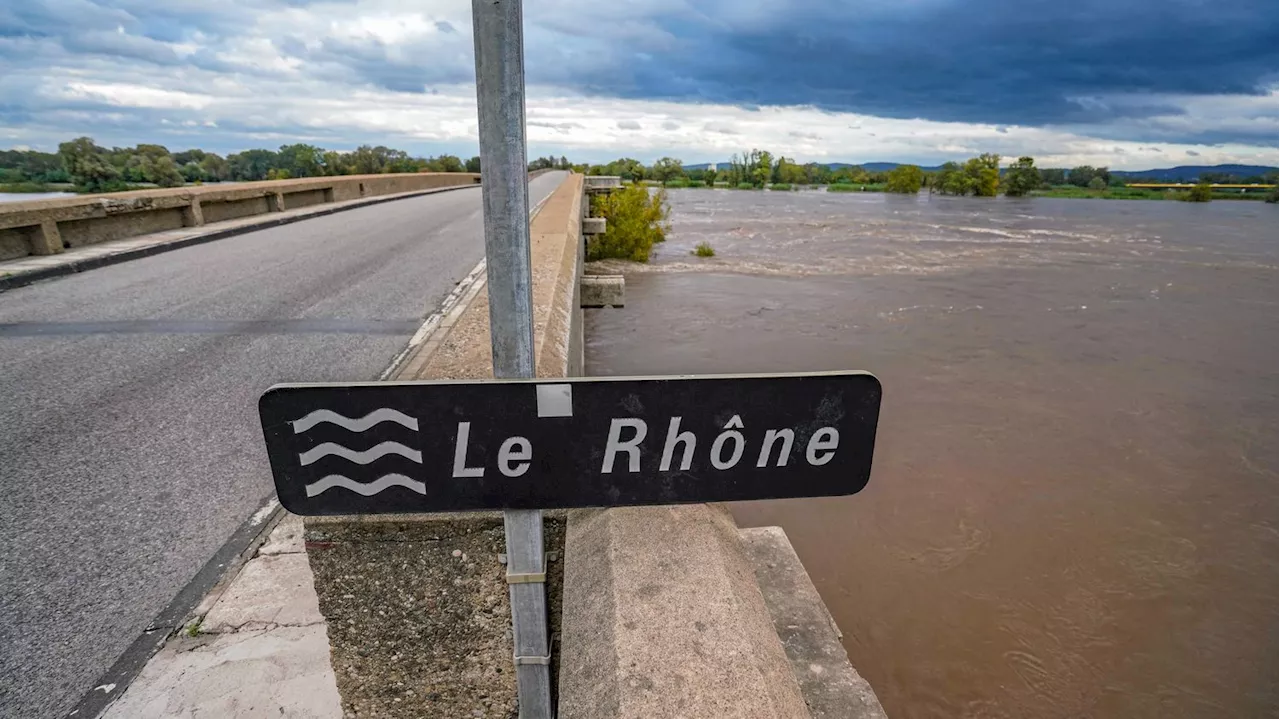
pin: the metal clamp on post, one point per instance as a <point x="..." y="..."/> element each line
<point x="528" y="578"/>
<point x="542" y="660"/>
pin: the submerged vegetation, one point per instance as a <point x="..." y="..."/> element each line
<point x="980" y="176"/>
<point x="635" y="220"/>
<point x="1202" y="192"/>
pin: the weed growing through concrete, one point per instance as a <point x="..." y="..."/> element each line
<point x="704" y="249"/>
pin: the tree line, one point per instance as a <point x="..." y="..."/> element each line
<point x="92" y="168"/>
<point x="981" y="176"/>
<point x="754" y="168"/>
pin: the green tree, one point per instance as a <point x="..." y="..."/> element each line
<point x="1080" y="176"/>
<point x="667" y="168"/>
<point x="1053" y="176"/>
<point x="473" y="165"/>
<point x="983" y="172"/>
<point x="761" y="168"/>
<point x="635" y="220"/>
<point x="335" y="163"/>
<point x="87" y="165"/>
<point x="191" y="172"/>
<point x="365" y="160"/>
<point x="214" y="168"/>
<point x="451" y="163"/>
<point x="950" y="179"/>
<point x="1021" y="178"/>
<point x="815" y="174"/>
<point x="628" y="169"/>
<point x="188" y="156"/>
<point x="251" y="164"/>
<point x="1097" y="184"/>
<point x="301" y="160"/>
<point x="31" y="166"/>
<point x="787" y="172"/>
<point x="905" y="179"/>
<point x="161" y="170"/>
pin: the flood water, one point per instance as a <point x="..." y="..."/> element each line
<point x="29" y="196"/>
<point x="1072" y="511"/>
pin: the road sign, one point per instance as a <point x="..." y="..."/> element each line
<point x="375" y="448"/>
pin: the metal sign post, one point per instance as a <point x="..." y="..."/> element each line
<point x="499" y="43"/>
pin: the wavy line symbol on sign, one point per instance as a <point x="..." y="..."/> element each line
<point x="372" y="488"/>
<point x="372" y="454"/>
<point x="359" y="424"/>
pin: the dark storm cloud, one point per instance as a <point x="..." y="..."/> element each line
<point x="1104" y="69"/>
<point x="1024" y="62"/>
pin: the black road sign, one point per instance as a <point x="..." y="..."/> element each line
<point x="382" y="447"/>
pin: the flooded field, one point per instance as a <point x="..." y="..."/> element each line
<point x="1073" y="506"/>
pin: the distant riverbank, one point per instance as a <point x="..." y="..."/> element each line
<point x="1136" y="193"/>
<point x="1062" y="191"/>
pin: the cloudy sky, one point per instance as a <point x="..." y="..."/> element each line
<point x="1128" y="83"/>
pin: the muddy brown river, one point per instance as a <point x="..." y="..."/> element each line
<point x="1072" y="511"/>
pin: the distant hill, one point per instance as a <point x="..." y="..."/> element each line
<point x="1182" y="173"/>
<point x="886" y="166"/>
<point x="1187" y="173"/>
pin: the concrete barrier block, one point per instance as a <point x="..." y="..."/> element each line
<point x="832" y="688"/>
<point x="662" y="618"/>
<point x="602" y="183"/>
<point x="593" y="225"/>
<point x="89" y="219"/>
<point x="602" y="290"/>
<point x="46" y="240"/>
<point x="192" y="215"/>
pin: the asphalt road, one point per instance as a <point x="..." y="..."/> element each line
<point x="129" y="442"/>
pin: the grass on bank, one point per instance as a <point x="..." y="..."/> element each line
<point x="24" y="187"/>
<point x="635" y="220"/>
<point x="1138" y="193"/>
<point x="851" y="187"/>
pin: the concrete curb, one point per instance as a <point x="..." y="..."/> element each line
<point x="72" y="266"/>
<point x="262" y="647"/>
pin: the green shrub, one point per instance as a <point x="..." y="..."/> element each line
<point x="1272" y="197"/>
<point x="783" y="186"/>
<point x="844" y="187"/>
<point x="1202" y="192"/>
<point x="745" y="186"/>
<point x="703" y="249"/>
<point x="635" y="219"/>
<point x="905" y="180"/>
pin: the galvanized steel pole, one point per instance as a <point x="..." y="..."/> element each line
<point x="499" y="41"/>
